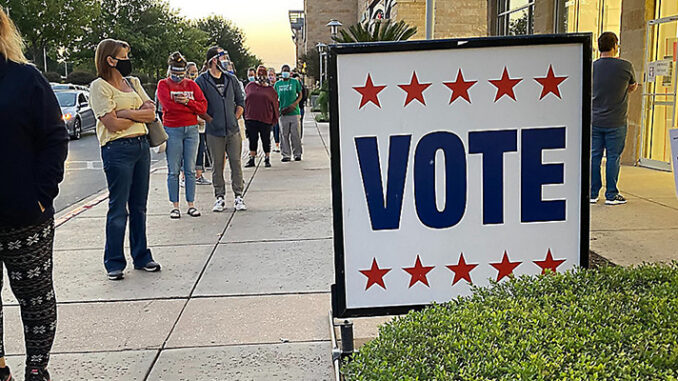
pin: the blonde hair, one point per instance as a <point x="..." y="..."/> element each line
<point x="11" y="44"/>
<point x="107" y="48"/>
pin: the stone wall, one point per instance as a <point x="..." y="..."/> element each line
<point x="544" y="12"/>
<point x="459" y="18"/>
<point x="320" y="12"/>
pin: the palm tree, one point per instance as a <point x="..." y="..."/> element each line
<point x="380" y="31"/>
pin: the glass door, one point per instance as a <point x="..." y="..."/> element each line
<point x="659" y="89"/>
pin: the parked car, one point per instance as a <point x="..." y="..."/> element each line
<point x="67" y="86"/>
<point x="76" y="112"/>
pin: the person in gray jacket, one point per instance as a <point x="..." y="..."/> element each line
<point x="225" y="105"/>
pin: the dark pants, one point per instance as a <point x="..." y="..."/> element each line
<point x="27" y="255"/>
<point x="276" y="133"/>
<point x="256" y="130"/>
<point x="203" y="156"/>
<point x="302" y="108"/>
<point x="612" y="141"/>
<point x="127" y="165"/>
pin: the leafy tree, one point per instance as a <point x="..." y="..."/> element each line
<point x="223" y="33"/>
<point x="48" y="24"/>
<point x="312" y="61"/>
<point x="379" y="31"/>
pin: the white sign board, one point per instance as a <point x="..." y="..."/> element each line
<point x="673" y="135"/>
<point x="456" y="164"/>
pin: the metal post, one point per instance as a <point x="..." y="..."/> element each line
<point x="346" y="338"/>
<point x="429" y="18"/>
<point x="44" y="58"/>
<point x="322" y="59"/>
<point x="66" y="68"/>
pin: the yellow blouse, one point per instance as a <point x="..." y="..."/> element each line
<point x="105" y="98"/>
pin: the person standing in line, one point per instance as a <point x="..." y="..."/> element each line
<point x="36" y="137"/>
<point x="251" y="76"/>
<point x="261" y="113"/>
<point x="225" y="105"/>
<point x="302" y="104"/>
<point x="289" y="95"/>
<point x="613" y="80"/>
<point x="183" y="101"/>
<point x="272" y="78"/>
<point x="200" y="164"/>
<point x="123" y="108"/>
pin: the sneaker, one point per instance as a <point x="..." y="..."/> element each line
<point x="267" y="163"/>
<point x="182" y="182"/>
<point x="37" y="374"/>
<point x="617" y="200"/>
<point x="202" y="181"/>
<point x="250" y="163"/>
<point x="5" y="374"/>
<point x="298" y="158"/>
<point x="116" y="275"/>
<point x="219" y="205"/>
<point x="239" y="204"/>
<point x="594" y="200"/>
<point x="286" y="160"/>
<point x="150" y="267"/>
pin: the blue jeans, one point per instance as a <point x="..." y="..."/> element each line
<point x="276" y="133"/>
<point x="182" y="149"/>
<point x="127" y="164"/>
<point x="610" y="140"/>
<point x="202" y="153"/>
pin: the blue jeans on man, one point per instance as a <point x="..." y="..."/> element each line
<point x="611" y="141"/>
<point x="182" y="149"/>
<point x="127" y="165"/>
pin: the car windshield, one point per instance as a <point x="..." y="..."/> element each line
<point x="66" y="99"/>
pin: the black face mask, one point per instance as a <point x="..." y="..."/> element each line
<point x="124" y="67"/>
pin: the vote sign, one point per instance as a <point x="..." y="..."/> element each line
<point x="455" y="163"/>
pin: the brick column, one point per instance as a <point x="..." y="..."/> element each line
<point x="544" y="13"/>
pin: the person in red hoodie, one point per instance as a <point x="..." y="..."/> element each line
<point x="182" y="101"/>
<point x="261" y="113"/>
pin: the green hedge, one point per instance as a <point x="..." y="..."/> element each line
<point x="610" y="324"/>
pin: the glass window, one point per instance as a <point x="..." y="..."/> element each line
<point x="66" y="99"/>
<point x="515" y="17"/>
<point x="595" y="16"/>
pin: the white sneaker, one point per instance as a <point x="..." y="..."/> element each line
<point x="219" y="205"/>
<point x="594" y="200"/>
<point x="182" y="183"/>
<point x="239" y="204"/>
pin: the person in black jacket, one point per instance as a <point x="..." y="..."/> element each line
<point x="34" y="135"/>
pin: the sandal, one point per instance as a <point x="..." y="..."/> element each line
<point x="193" y="212"/>
<point x="175" y="214"/>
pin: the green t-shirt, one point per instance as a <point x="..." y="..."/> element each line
<point x="288" y="92"/>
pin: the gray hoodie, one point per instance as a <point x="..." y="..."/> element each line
<point x="221" y="108"/>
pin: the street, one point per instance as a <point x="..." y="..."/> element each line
<point x="84" y="171"/>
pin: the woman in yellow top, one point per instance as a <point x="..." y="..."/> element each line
<point x="122" y="108"/>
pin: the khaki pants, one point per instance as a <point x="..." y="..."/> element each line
<point x="232" y="146"/>
<point x="290" y="138"/>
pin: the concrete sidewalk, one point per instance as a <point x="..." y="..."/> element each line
<point x="241" y="296"/>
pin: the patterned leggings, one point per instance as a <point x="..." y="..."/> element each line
<point x="27" y="255"/>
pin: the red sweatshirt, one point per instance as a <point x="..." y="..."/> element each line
<point x="177" y="114"/>
<point x="261" y="103"/>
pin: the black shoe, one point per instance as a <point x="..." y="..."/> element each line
<point x="617" y="200"/>
<point x="250" y="163"/>
<point x="286" y="160"/>
<point x="151" y="267"/>
<point x="267" y="163"/>
<point x="298" y="158"/>
<point x="116" y="275"/>
<point x="37" y="374"/>
<point x="5" y="374"/>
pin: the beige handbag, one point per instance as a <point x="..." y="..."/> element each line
<point x="156" y="132"/>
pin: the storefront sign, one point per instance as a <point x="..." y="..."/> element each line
<point x="651" y="72"/>
<point x="456" y="163"/>
<point x="662" y="67"/>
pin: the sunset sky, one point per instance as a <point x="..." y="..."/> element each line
<point x="265" y="23"/>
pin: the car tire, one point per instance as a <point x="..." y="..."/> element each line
<point x="77" y="129"/>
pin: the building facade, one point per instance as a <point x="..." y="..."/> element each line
<point x="648" y="31"/>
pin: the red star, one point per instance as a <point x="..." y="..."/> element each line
<point x="549" y="263"/>
<point x="418" y="273"/>
<point x="375" y="275"/>
<point x="369" y="92"/>
<point x="505" y="85"/>
<point x="550" y="84"/>
<point x="460" y="87"/>
<point x="505" y="267"/>
<point x="461" y="270"/>
<point x="415" y="90"/>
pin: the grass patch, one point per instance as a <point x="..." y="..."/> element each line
<point x="613" y="323"/>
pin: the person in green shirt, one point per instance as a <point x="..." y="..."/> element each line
<point x="289" y="95"/>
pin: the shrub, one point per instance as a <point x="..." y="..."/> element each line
<point x="80" y="78"/>
<point x="610" y="324"/>
<point x="53" y="77"/>
<point x="320" y="118"/>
